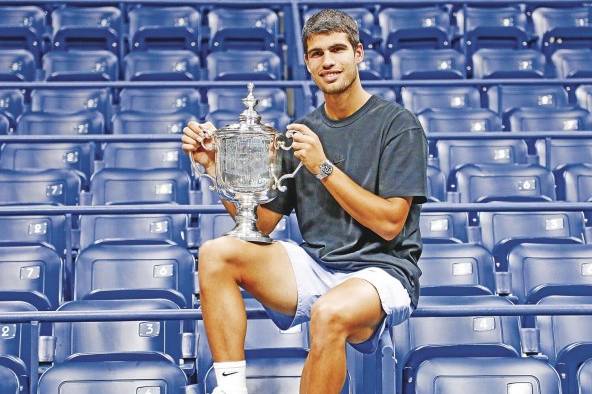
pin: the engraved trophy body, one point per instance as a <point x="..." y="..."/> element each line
<point x="247" y="163"/>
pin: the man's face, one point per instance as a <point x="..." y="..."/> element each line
<point x="332" y="61"/>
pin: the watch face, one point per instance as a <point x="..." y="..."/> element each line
<point x="326" y="168"/>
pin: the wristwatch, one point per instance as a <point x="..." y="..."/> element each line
<point x="326" y="169"/>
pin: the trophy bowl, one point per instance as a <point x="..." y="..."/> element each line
<point x="248" y="165"/>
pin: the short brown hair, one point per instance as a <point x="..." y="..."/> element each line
<point x="331" y="21"/>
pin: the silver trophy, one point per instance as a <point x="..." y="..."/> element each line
<point x="247" y="168"/>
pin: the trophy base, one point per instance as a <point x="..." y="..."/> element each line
<point x="250" y="236"/>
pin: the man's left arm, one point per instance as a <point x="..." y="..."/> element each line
<point x="384" y="216"/>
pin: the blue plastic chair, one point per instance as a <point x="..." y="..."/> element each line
<point x="508" y="63"/>
<point x="444" y="227"/>
<point x="80" y="65"/>
<point x="585" y="377"/>
<point x="461" y="119"/>
<point x="574" y="182"/>
<point x="72" y="101"/>
<point x="22" y="27"/>
<point x="12" y="105"/>
<point x="134" y="122"/>
<point x="160" y="64"/>
<point x="243" y="29"/>
<point x="156" y="27"/>
<point x="550" y="119"/>
<point x="562" y="27"/>
<point x="4" y="125"/>
<point x="52" y="232"/>
<point x="44" y="123"/>
<point x="584" y="96"/>
<point x="556" y="152"/>
<point x="573" y="63"/>
<point x="427" y="64"/>
<point x="436" y="184"/>
<point x="372" y="67"/>
<point x="160" y="100"/>
<point x="417" y="99"/>
<point x="55" y="187"/>
<point x="233" y="65"/>
<point x="148" y="155"/>
<point x="505" y="98"/>
<point x="17" y="65"/>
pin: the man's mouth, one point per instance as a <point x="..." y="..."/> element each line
<point x="330" y="76"/>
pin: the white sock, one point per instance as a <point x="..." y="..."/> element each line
<point x="231" y="376"/>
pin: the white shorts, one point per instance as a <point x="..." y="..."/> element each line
<point x="313" y="280"/>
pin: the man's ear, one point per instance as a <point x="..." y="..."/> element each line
<point x="359" y="53"/>
<point x="306" y="63"/>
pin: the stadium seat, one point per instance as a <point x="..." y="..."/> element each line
<point x="422" y="339"/>
<point x="141" y="270"/>
<point x="417" y="99"/>
<point x="160" y="100"/>
<point x="22" y="27"/>
<point x="4" y="125"/>
<point x="461" y="119"/>
<point x="585" y="377"/>
<point x="54" y="187"/>
<point x="49" y="231"/>
<point x="233" y="65"/>
<point x="573" y="63"/>
<point x="156" y="27"/>
<point x="17" y="65"/>
<point x="86" y="28"/>
<point x="269" y="99"/>
<point x="456" y="269"/>
<point x="134" y="122"/>
<point x="444" y="227"/>
<point x="504" y="182"/>
<point x="584" y="97"/>
<point x="372" y="67"/>
<point x="489" y="375"/>
<point x="31" y="273"/>
<point x="427" y="64"/>
<point x="80" y="65"/>
<point x="492" y="27"/>
<point x="426" y="27"/>
<point x="452" y="154"/>
<point x="550" y="119"/>
<point x="574" y="182"/>
<point x="136" y="228"/>
<point x="562" y="27"/>
<point x="565" y="340"/>
<point x="11" y="105"/>
<point x="369" y="32"/>
<point x="501" y="231"/>
<point x="254" y="29"/>
<point x="160" y="64"/>
<point x="555" y="153"/>
<point x="505" y="98"/>
<point x="116" y="186"/>
<point x="71" y="156"/>
<point x="436" y="185"/>
<point x="72" y="101"/>
<point x="146" y="155"/>
<point x="40" y="123"/>
<point x="508" y="63"/>
<point x="540" y="270"/>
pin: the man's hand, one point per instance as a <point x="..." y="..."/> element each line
<point x="197" y="140"/>
<point x="307" y="147"/>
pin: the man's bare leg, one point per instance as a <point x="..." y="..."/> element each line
<point x="348" y="312"/>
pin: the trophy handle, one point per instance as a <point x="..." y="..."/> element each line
<point x="278" y="182"/>
<point x="198" y="174"/>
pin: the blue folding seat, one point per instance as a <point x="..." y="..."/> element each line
<point x="31" y="273"/>
<point x="71" y="156"/>
<point x="160" y="100"/>
<point x="44" y="123"/>
<point x="22" y="27"/>
<point x="116" y="186"/>
<point x="566" y="340"/>
<point x="444" y="227"/>
<point x="275" y="119"/>
<point x="18" y="355"/>
<point x="369" y="31"/>
<point x="86" y="27"/>
<point x="417" y="99"/>
<point x="134" y="122"/>
<point x="505" y="98"/>
<point x="508" y="63"/>
<point x="574" y="182"/>
<point x="160" y="64"/>
<point x="426" y="27"/>
<point x="4" y="125"/>
<point x="146" y="155"/>
<point x="555" y="153"/>
<point x="585" y="377"/>
<point x="11" y="105"/>
<point x="80" y="65"/>
<point x="235" y="65"/>
<point x="17" y="65"/>
<point x="550" y="119"/>
<point x="50" y="231"/>
<point x="372" y="67"/>
<point x="565" y="27"/>
<point x="492" y="27"/>
<point x="243" y="29"/>
<point x="584" y="96"/>
<point x="501" y="231"/>
<point x="72" y="100"/>
<point x="504" y="182"/>
<point x="456" y="269"/>
<point x="231" y="99"/>
<point x="461" y="119"/>
<point x="140" y="270"/>
<point x="436" y="185"/>
<point x="216" y="225"/>
<point x="489" y="375"/>
<point x="427" y="64"/>
<point x="540" y="270"/>
<point x="53" y="187"/>
<point x="422" y="339"/>
<point x="164" y="28"/>
<point x="452" y="154"/>
<point x="573" y="63"/>
<point x="164" y="228"/>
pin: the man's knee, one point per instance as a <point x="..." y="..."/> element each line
<point x="329" y="320"/>
<point x="217" y="256"/>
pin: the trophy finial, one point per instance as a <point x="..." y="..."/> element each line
<point x="250" y="115"/>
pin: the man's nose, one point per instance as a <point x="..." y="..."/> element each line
<point x="328" y="61"/>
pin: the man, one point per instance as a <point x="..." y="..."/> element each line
<point x="358" y="208"/>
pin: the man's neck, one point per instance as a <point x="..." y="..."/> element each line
<point x="340" y="106"/>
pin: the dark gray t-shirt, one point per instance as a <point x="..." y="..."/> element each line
<point x="381" y="147"/>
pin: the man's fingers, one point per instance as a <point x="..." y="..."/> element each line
<point x="188" y="147"/>
<point x="189" y="140"/>
<point x="299" y="137"/>
<point x="299" y="127"/>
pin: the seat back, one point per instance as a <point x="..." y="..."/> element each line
<point x="562" y="27"/>
<point x="80" y="65"/>
<point x="72" y="100"/>
<point x="417" y="99"/>
<point x="148" y="155"/>
<point x="233" y="65"/>
<point x="17" y="65"/>
<point x="11" y="104"/>
<point x="243" y="29"/>
<point x="550" y="119"/>
<point x="436" y="184"/>
<point x="505" y="98"/>
<point x="574" y="183"/>
<point x="555" y="153"/>
<point x="160" y="100"/>
<point x="56" y="187"/>
<point x="428" y="64"/>
<point x="86" y="27"/>
<point x="160" y="64"/>
<point x="134" y="122"/>
<point x="444" y="227"/>
<point x="40" y="123"/>
<point x="572" y="63"/>
<point x="462" y="119"/>
<point x="50" y="231"/>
